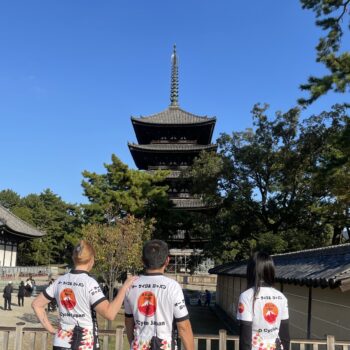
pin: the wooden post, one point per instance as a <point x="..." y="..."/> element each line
<point x="195" y="343"/>
<point x="5" y="342"/>
<point x="44" y="337"/>
<point x="330" y="342"/>
<point x="222" y="339"/>
<point x="32" y="340"/>
<point x="119" y="338"/>
<point x="19" y="335"/>
<point x="105" y="342"/>
<point x="208" y="344"/>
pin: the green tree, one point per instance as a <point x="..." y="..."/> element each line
<point x="9" y="199"/>
<point x="331" y="18"/>
<point x="118" y="246"/>
<point x="330" y="132"/>
<point x="122" y="191"/>
<point x="49" y="213"/>
<point x="261" y="180"/>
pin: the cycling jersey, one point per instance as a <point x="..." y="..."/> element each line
<point x="77" y="294"/>
<point x="270" y="308"/>
<point x="154" y="301"/>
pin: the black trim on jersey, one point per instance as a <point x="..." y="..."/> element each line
<point x="97" y="302"/>
<point x="182" y="318"/>
<point x="76" y="272"/>
<point x="47" y="296"/>
<point x="128" y="315"/>
<point x="153" y="274"/>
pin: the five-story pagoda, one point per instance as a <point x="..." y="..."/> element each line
<point x="171" y="140"/>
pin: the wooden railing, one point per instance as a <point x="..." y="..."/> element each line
<point x="30" y="338"/>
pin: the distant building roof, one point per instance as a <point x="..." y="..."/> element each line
<point x="17" y="225"/>
<point x="173" y="116"/>
<point x="324" y="267"/>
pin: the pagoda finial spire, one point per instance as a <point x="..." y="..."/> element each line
<point x="174" y="91"/>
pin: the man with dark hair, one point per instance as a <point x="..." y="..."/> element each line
<point x="154" y="302"/>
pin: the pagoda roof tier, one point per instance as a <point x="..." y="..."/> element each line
<point x="153" y="155"/>
<point x="17" y="226"/>
<point x="148" y="133"/>
<point x="173" y="174"/>
<point x="174" y="115"/>
<point x="172" y="147"/>
<point x="189" y="203"/>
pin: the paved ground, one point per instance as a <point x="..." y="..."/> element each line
<point x="20" y="314"/>
<point x="203" y="319"/>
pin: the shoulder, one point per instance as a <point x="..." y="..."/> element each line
<point x="90" y="280"/>
<point x="278" y="293"/>
<point x="248" y="294"/>
<point x="171" y="283"/>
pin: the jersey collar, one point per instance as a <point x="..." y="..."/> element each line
<point x="153" y="274"/>
<point x="76" y="272"/>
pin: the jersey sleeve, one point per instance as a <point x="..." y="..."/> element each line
<point x="285" y="311"/>
<point x="245" y="308"/>
<point x="49" y="292"/>
<point x="179" y="305"/>
<point x="96" y="295"/>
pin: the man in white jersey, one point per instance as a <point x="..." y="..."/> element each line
<point x="154" y="302"/>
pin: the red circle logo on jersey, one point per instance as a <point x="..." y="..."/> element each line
<point x="67" y="298"/>
<point x="147" y="303"/>
<point x="270" y="312"/>
<point x="240" y="308"/>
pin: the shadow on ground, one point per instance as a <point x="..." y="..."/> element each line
<point x="31" y="318"/>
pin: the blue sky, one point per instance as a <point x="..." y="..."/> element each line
<point x="73" y="72"/>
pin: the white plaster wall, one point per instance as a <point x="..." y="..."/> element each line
<point x="8" y="253"/>
<point x="330" y="313"/>
<point x="2" y="253"/>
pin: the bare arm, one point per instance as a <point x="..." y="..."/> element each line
<point x="38" y="305"/>
<point x="185" y="333"/>
<point x="129" y="328"/>
<point x="110" y="310"/>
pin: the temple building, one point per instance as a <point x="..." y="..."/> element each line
<point x="171" y="140"/>
<point x="13" y="231"/>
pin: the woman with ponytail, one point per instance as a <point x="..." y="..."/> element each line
<point x="262" y="310"/>
<point x="78" y="297"/>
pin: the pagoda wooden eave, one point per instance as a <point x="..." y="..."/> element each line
<point x="171" y="147"/>
<point x="189" y="203"/>
<point x="173" y="116"/>
<point x="142" y="121"/>
<point x="148" y="132"/>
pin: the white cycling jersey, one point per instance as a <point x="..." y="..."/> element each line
<point x="270" y="307"/>
<point x="77" y="294"/>
<point x="154" y="301"/>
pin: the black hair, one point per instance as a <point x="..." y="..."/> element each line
<point x="260" y="271"/>
<point x="154" y="254"/>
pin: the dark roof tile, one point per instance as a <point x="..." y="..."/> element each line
<point x="173" y="116"/>
<point x="326" y="266"/>
<point x="17" y="225"/>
